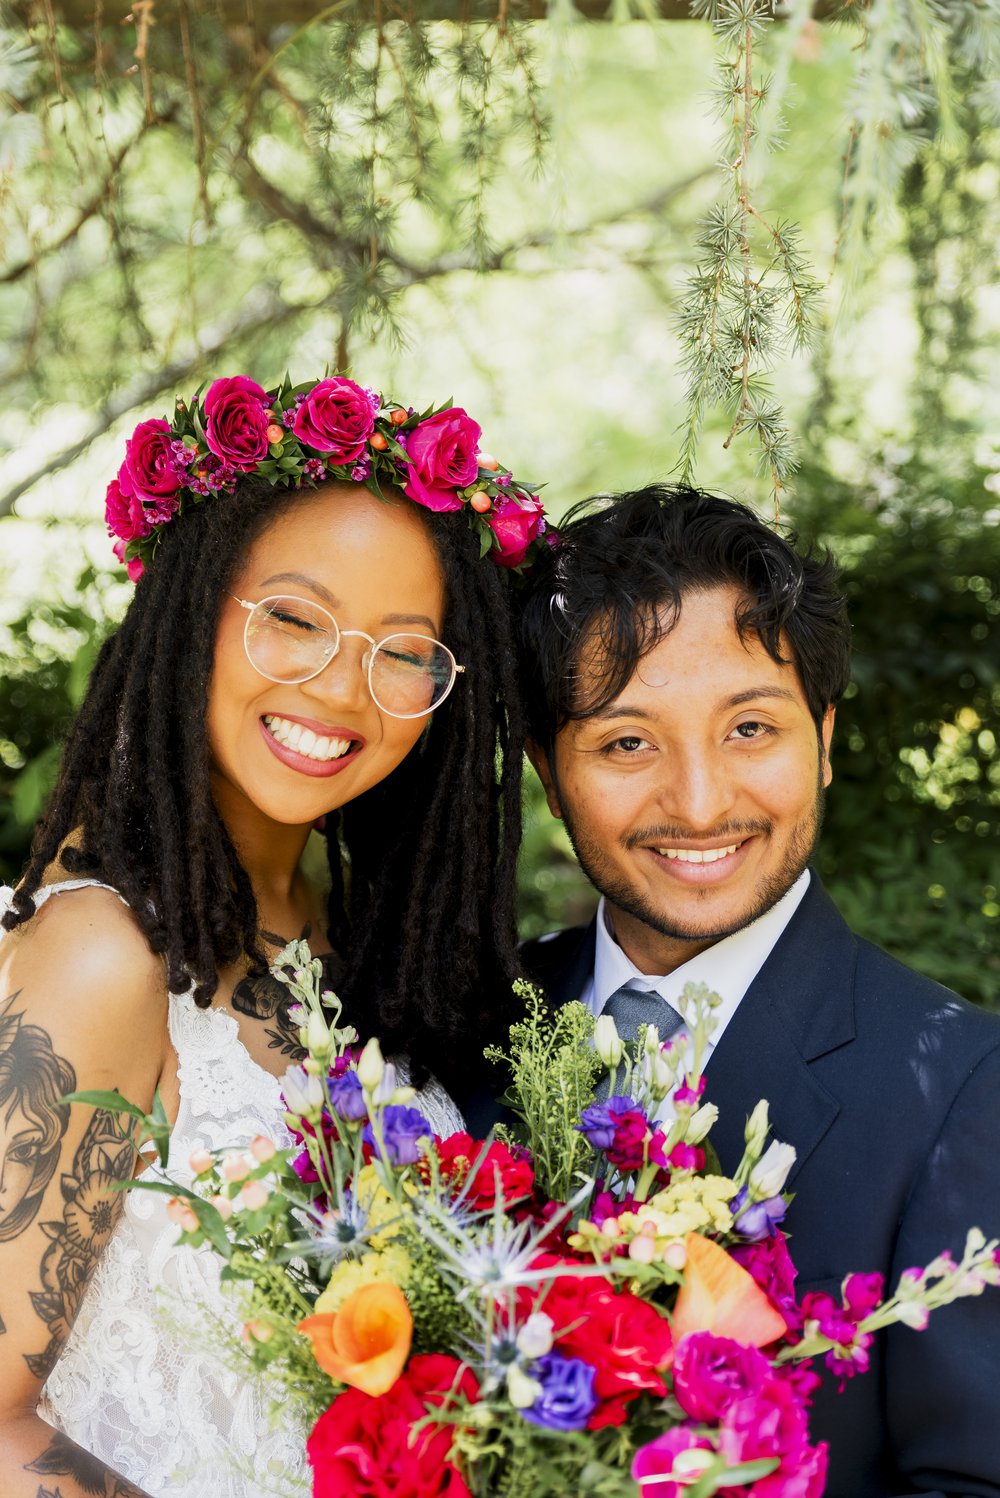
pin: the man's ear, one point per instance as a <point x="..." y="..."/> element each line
<point x="826" y="735"/>
<point x="543" y="770"/>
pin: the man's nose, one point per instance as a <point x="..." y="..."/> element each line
<point x="697" y="791"/>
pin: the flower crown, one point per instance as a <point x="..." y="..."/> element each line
<point x="303" y="435"/>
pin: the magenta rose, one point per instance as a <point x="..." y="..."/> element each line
<point x="772" y="1423"/>
<point x="770" y="1264"/>
<point x="627" y="1149"/>
<point x="336" y="418"/>
<point x="656" y="1461"/>
<point x="237" y="418"/>
<point x="124" y="515"/>
<point x="442" y="453"/>
<point x="134" y="566"/>
<point x="711" y="1373"/>
<point x="148" y="471"/>
<point x="515" y="523"/>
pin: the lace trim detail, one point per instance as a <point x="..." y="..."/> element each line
<point x="144" y="1380"/>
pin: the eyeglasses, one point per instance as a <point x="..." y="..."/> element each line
<point x="291" y="640"/>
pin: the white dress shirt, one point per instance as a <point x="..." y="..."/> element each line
<point x="728" y="967"/>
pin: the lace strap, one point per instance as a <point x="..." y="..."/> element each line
<point x="41" y="895"/>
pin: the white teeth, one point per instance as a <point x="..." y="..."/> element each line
<point x="304" y="741"/>
<point x="697" y="855"/>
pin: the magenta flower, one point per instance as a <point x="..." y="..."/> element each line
<point x="628" y="1148"/>
<point x="336" y="418"/>
<point x="237" y="418"/>
<point x="124" y="515"/>
<point x="770" y="1264"/>
<point x="711" y="1373"/>
<point x="862" y="1293"/>
<point x="687" y="1096"/>
<point x="515" y="521"/>
<point x="599" y="1122"/>
<point x="657" y="1461"/>
<point x="443" y="458"/>
<point x="149" y="471"/>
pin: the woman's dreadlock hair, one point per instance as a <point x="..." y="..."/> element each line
<point x="422" y="907"/>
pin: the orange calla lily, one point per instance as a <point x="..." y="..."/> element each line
<point x="718" y="1295"/>
<point x="365" y="1343"/>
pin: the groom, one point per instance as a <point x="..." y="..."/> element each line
<point x="683" y="663"/>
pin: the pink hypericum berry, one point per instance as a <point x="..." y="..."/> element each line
<point x="236" y="1167"/>
<point x="179" y="1212"/>
<point x="200" y="1161"/>
<point x="223" y="1206"/>
<point x="255" y="1195"/>
<point x="257" y="1331"/>
<point x="263" y="1149"/>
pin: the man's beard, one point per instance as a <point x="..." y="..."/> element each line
<point x="607" y="882"/>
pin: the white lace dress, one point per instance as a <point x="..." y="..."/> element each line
<point x="139" y="1382"/>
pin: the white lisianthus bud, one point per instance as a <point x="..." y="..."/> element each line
<point x="607" y="1042"/>
<point x="652" y="1041"/>
<point x="317" y="1034"/>
<point x="303" y="1091"/>
<point x="522" y="1390"/>
<point x="701" y="1122"/>
<point x="534" y="1339"/>
<point x="382" y="1093"/>
<point x="403" y="1095"/>
<point x="658" y="1073"/>
<point x="371" y="1066"/>
<point x="757" y="1126"/>
<point x="771" y="1171"/>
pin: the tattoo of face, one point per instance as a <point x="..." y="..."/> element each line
<point x="64" y="1458"/>
<point x="261" y="996"/>
<point x="105" y="1155"/>
<point x="32" y="1122"/>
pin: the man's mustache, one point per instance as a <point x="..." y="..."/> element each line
<point x="665" y="834"/>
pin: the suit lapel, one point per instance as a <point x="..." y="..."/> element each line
<point x="798" y="1008"/>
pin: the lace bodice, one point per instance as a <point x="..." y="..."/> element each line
<point x="140" y="1382"/>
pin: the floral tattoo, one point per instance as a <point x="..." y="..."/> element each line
<point x="64" y="1458"/>
<point x="260" y="996"/>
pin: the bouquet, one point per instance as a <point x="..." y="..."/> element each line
<point x="582" y="1303"/>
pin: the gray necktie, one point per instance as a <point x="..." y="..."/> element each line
<point x="631" y="1007"/>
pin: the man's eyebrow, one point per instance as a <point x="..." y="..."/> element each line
<point x="739" y="699"/>
<point x="300" y="577"/>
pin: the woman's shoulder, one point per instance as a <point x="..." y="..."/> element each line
<point x="84" y="955"/>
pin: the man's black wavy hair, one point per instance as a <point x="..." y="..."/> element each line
<point x="424" y="919"/>
<point x="619" y="572"/>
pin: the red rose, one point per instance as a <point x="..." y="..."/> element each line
<point x="627" y="1148"/>
<point x="362" y="1444"/>
<point x="148" y="471"/>
<point x="442" y="452"/>
<point x="515" y="1175"/>
<point x="624" y="1338"/>
<point x="516" y="522"/>
<point x="237" y="419"/>
<point x="336" y="418"/>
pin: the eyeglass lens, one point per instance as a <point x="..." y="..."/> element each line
<point x="291" y="640"/>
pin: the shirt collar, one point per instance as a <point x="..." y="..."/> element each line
<point x="728" y="967"/>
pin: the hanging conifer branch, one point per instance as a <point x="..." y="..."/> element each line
<point x="752" y="296"/>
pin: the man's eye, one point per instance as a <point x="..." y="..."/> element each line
<point x="629" y="743"/>
<point x="752" y="730"/>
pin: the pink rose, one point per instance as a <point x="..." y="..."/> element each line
<point x="135" y="566"/>
<point x="124" y="515"/>
<point x="656" y="1461"/>
<point x="711" y="1373"/>
<point x="238" y="417"/>
<point x="862" y="1293"/>
<point x="148" y="471"/>
<point x="442" y="453"/>
<point x="772" y="1423"/>
<point x="336" y="418"/>
<point x="515" y="523"/>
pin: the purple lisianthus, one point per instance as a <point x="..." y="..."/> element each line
<point x="599" y="1122"/>
<point x="402" y="1130"/>
<point x="756" y="1220"/>
<point x="567" y="1399"/>
<point x="347" y="1096"/>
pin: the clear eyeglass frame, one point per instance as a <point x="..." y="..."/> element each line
<point x="337" y="634"/>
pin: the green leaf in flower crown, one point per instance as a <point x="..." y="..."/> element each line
<point x="720" y="1475"/>
<point x="486" y="539"/>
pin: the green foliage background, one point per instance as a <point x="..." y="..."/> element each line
<point x="577" y="186"/>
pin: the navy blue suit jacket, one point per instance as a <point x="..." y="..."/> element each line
<point x="888" y="1086"/>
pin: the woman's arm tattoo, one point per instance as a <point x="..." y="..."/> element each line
<point x="64" y="1458"/>
<point x="32" y="1120"/>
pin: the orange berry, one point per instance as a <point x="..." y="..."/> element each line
<point x="378" y="442"/>
<point x="487" y="460"/>
<point x="274" y="433"/>
<point x="398" y="417"/>
<point x="481" y="502"/>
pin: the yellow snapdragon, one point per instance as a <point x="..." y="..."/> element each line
<point x="694" y="1204"/>
<point x="391" y="1264"/>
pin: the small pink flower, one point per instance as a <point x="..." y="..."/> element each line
<point x="442" y="453"/>
<point x="658" y="1461"/>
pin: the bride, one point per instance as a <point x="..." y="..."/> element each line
<point x="318" y="639"/>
